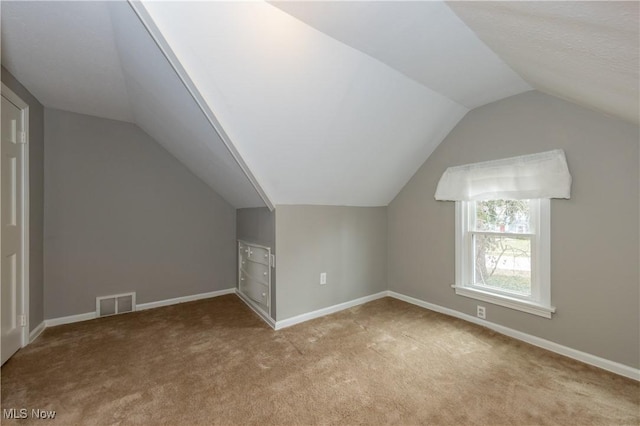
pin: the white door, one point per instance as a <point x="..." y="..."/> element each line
<point x="12" y="233"/>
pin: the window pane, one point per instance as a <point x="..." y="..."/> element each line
<point x="502" y="216"/>
<point x="503" y="263"/>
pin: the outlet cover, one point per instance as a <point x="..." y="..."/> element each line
<point x="482" y="312"/>
<point x="323" y="278"/>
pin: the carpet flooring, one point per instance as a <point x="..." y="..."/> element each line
<point x="386" y="362"/>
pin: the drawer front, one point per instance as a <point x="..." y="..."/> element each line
<point x="258" y="254"/>
<point x="243" y="250"/>
<point x="255" y="270"/>
<point x="255" y="290"/>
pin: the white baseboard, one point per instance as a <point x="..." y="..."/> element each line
<point x="140" y="307"/>
<point x="37" y="331"/>
<point x="70" y="319"/>
<point x="605" y="364"/>
<point x="183" y="299"/>
<point x="261" y="314"/>
<point x="329" y="310"/>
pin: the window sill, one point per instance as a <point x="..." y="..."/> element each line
<point x="506" y="301"/>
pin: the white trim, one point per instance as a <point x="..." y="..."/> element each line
<point x="506" y="301"/>
<point x="543" y="247"/>
<point x="141" y="307"/>
<point x="26" y="250"/>
<point x="539" y="303"/>
<point x="183" y="299"/>
<point x="36" y="332"/>
<point x="605" y="364"/>
<point x="263" y="315"/>
<point x="460" y="243"/>
<point x="12" y="97"/>
<point x="147" y="21"/>
<point x="328" y="310"/>
<point x="70" y="319"/>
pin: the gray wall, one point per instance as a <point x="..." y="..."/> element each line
<point x="348" y="243"/>
<point x="123" y="215"/>
<point x="258" y="225"/>
<point x="594" y="235"/>
<point x="36" y="198"/>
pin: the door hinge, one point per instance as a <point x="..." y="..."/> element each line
<point x="273" y="260"/>
<point x="23" y="137"/>
<point x="22" y="320"/>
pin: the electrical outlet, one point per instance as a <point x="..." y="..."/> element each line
<point x="482" y="312"/>
<point x="323" y="278"/>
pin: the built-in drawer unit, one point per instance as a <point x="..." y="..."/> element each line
<point x="256" y="270"/>
<point x="258" y="254"/>
<point x="254" y="274"/>
<point x="255" y="290"/>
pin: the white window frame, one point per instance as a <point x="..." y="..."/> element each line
<point x="539" y="303"/>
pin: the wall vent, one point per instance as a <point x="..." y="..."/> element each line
<point x="115" y="304"/>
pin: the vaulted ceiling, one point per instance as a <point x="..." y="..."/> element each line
<point x="97" y="58"/>
<point x="315" y="102"/>
<point x="583" y="51"/>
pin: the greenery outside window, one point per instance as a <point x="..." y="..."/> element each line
<point x="503" y="253"/>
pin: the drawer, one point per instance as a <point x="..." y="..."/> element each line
<point x="255" y="270"/>
<point x="255" y="290"/>
<point x="243" y="250"/>
<point x="258" y="254"/>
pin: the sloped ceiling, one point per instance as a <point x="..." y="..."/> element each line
<point x="583" y="51"/>
<point x="44" y="42"/>
<point x="165" y="110"/>
<point x="317" y="120"/>
<point x="96" y="58"/>
<point x="326" y="102"/>
<point x="421" y="39"/>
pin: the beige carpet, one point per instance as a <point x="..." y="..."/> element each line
<point x="215" y="362"/>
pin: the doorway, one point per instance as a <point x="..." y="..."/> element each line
<point x="14" y="219"/>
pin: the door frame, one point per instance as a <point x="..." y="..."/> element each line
<point x="24" y="107"/>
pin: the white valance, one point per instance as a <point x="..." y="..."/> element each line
<point x="543" y="175"/>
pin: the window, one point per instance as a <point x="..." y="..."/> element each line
<point x="502" y="227"/>
<point x="503" y="254"/>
